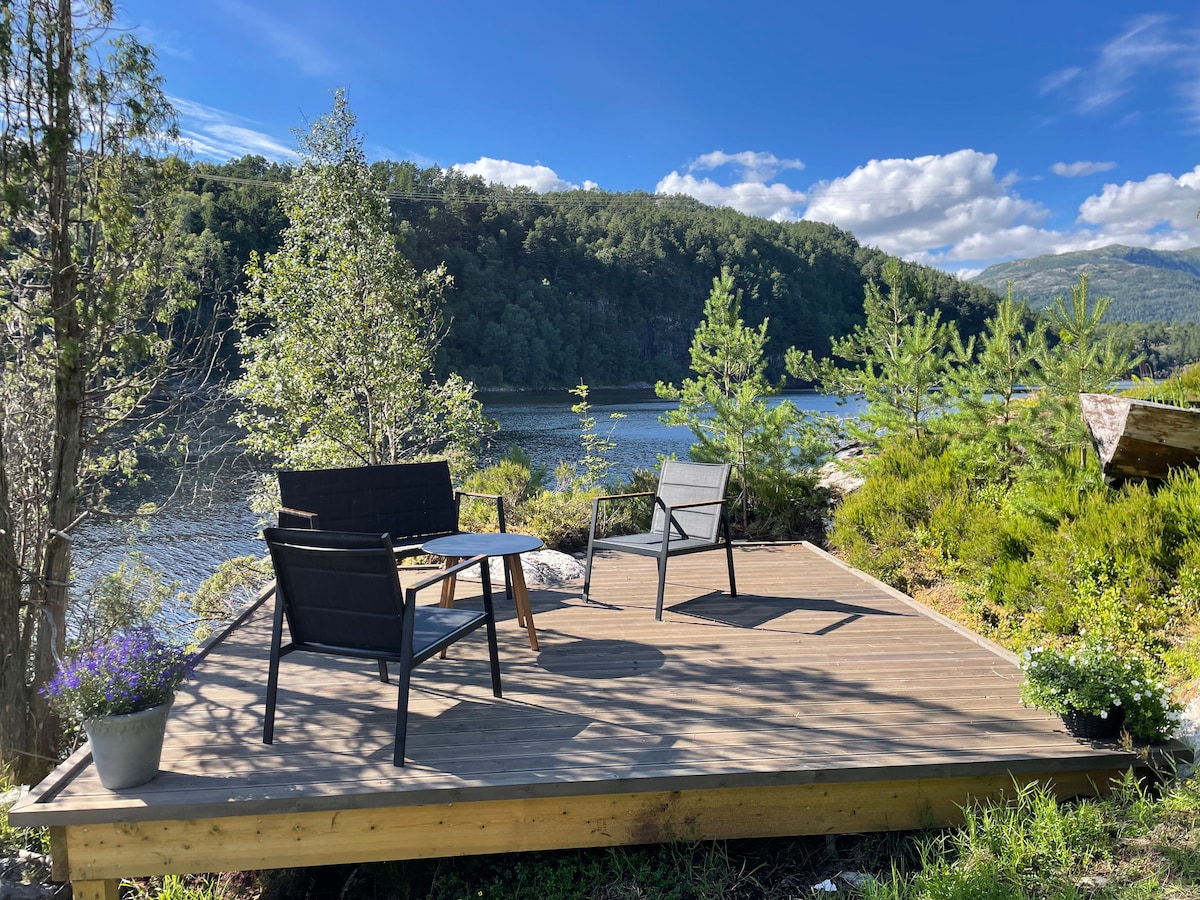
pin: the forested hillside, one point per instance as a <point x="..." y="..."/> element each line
<point x="550" y="289"/>
<point x="1146" y="285"/>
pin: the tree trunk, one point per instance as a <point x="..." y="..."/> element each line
<point x="14" y="689"/>
<point x="49" y="592"/>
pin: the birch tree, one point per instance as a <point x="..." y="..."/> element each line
<point x="340" y="333"/>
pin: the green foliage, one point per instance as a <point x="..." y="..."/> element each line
<point x="596" y="463"/>
<point x="1082" y="359"/>
<point x="1094" y="677"/>
<point x="340" y="333"/>
<point x="773" y="449"/>
<point x="92" y="302"/>
<point x="991" y="377"/>
<point x="1180" y="389"/>
<point x="1034" y="551"/>
<point x="900" y="359"/>
<point x="234" y="584"/>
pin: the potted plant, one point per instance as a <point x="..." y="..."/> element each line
<point x="122" y="690"/>
<point x="1097" y="689"/>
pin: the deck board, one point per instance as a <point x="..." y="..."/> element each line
<point x="815" y="674"/>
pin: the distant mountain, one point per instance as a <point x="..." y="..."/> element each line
<point x="1146" y="285"/>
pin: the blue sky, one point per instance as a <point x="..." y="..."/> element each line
<point x="951" y="133"/>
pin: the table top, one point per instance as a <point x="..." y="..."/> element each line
<point x="481" y="544"/>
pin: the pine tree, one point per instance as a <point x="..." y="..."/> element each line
<point x="726" y="405"/>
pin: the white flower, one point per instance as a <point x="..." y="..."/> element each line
<point x="1104" y="715"/>
<point x="1137" y="697"/>
<point x="1116" y="701"/>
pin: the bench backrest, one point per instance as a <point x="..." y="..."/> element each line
<point x="406" y="500"/>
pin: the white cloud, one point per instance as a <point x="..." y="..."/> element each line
<point x="1149" y="44"/>
<point x="923" y="207"/>
<point x="218" y="136"/>
<point x="755" y="167"/>
<point x="1083" y="167"/>
<point x="1158" y="202"/>
<point x="954" y="210"/>
<point x="541" y="179"/>
<point x="771" y="201"/>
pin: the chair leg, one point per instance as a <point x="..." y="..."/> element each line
<point x="273" y="669"/>
<point x="272" y="685"/>
<point x="587" y="570"/>
<point x="662" y="586"/>
<point x="402" y="715"/>
<point x="383" y="673"/>
<point x="729" y="559"/>
<point x="490" y="626"/>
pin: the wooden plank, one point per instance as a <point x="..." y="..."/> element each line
<point x="357" y="835"/>
<point x="815" y="674"/>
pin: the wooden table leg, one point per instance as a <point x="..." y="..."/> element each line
<point x="447" y="600"/>
<point x="521" y="596"/>
<point x="448" y="584"/>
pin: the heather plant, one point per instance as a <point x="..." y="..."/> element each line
<point x="132" y="671"/>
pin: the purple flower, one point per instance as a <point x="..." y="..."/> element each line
<point x="130" y="672"/>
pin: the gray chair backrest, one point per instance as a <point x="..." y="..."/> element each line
<point x="338" y="590"/>
<point x="684" y="482"/>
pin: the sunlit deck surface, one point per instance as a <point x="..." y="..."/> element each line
<point x="817" y="701"/>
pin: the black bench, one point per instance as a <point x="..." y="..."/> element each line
<point x="410" y="502"/>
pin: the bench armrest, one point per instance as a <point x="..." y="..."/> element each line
<point x="296" y="518"/>
<point x="495" y="498"/>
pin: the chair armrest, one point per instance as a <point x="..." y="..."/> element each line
<point x="722" y="502"/>
<point x="442" y="574"/>
<point x="296" y="518"/>
<point x="623" y="496"/>
<point x="496" y="498"/>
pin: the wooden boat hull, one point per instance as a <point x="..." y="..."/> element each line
<point x="1141" y="438"/>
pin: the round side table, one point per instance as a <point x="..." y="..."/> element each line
<point x="504" y="544"/>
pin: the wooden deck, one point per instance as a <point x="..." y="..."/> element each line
<point x="817" y="701"/>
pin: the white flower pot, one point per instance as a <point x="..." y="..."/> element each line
<point x="127" y="749"/>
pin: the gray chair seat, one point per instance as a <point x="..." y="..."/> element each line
<point x="689" y="517"/>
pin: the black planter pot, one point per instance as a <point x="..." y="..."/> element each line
<point x="1092" y="726"/>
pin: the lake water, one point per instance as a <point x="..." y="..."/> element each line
<point x="208" y="520"/>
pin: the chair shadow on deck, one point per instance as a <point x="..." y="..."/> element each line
<point x="756" y="610"/>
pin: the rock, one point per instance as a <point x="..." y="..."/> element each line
<point x="857" y="880"/>
<point x="544" y="568"/>
<point x="839" y="475"/>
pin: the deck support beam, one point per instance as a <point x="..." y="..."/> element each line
<point x="105" y="889"/>
<point x="99" y="853"/>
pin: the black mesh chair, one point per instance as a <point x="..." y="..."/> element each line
<point x="689" y="517"/>
<point x="340" y="594"/>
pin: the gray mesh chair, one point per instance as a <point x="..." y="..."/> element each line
<point x="340" y="594"/>
<point x="689" y="517"/>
